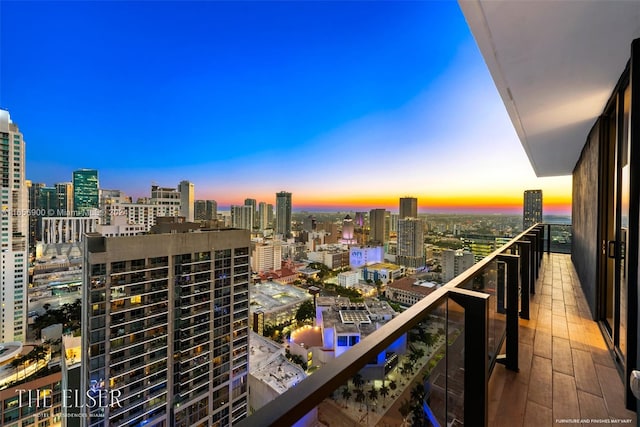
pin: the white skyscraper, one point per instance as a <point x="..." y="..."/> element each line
<point x="14" y="232"/>
<point x="242" y="217"/>
<point x="187" y="200"/>
<point x="263" y="216"/>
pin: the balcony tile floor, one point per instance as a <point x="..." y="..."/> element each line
<point x="566" y="371"/>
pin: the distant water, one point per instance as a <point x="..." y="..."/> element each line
<point x="556" y="219"/>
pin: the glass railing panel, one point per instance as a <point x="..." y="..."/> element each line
<point x="425" y="395"/>
<point x="492" y="281"/>
<point x="453" y="370"/>
<point x="393" y="387"/>
<point x="561" y="236"/>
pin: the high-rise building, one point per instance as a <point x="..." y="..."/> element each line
<point x="14" y="232"/>
<point x="283" y="214"/>
<point x="270" y="215"/>
<point x="393" y="222"/>
<point x="266" y="256"/>
<point x="64" y="194"/>
<point x="359" y="219"/>
<point x="35" y="222"/>
<point x="532" y="212"/>
<point x="165" y="329"/>
<point x="242" y="217"/>
<point x="263" y="216"/>
<point x="455" y="262"/>
<point x="309" y="223"/>
<point x="86" y="194"/>
<point x="410" y="249"/>
<point x="408" y="207"/>
<point x="200" y="210"/>
<point x="187" y="200"/>
<point x="254" y="205"/>
<point x="205" y="210"/>
<point x="379" y="228"/>
<point x="212" y="209"/>
<point x="348" y="231"/>
<point x="165" y="196"/>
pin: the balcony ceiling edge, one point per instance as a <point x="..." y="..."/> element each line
<point x="555" y="65"/>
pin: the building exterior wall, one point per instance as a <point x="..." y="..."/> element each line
<point x="348" y="279"/>
<point x="166" y="325"/>
<point x="67" y="229"/>
<point x="408" y="208"/>
<point x="266" y="257"/>
<point x="242" y="216"/>
<point x="86" y="193"/>
<point x="410" y="250"/>
<point x="187" y="200"/>
<point x="532" y="208"/>
<point x="379" y="226"/>
<point x="37" y="402"/>
<point x="585" y="217"/>
<point x="283" y="214"/>
<point x="14" y="231"/>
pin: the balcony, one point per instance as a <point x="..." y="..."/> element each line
<point x="566" y="370"/>
<point x="509" y="342"/>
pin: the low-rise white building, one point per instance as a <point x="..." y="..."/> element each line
<point x="348" y="279"/>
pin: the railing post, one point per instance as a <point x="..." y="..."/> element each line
<point x="524" y="247"/>
<point x="510" y="359"/>
<point x="540" y="230"/>
<point x="535" y="261"/>
<point x="476" y="346"/>
<point x="548" y="227"/>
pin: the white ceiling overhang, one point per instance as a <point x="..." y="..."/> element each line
<point x="555" y="64"/>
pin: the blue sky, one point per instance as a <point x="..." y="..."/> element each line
<point x="333" y="101"/>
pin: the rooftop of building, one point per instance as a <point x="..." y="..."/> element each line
<point x="383" y="266"/>
<point x="51" y="255"/>
<point x="413" y="284"/>
<point x="262" y="350"/>
<point x="307" y="336"/>
<point x="363" y="318"/>
<point x="308" y="271"/>
<point x="279" y="374"/>
<point x="268" y="296"/>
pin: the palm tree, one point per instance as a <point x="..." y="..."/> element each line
<point x="418" y="393"/>
<point x="373" y="394"/>
<point x="393" y="385"/>
<point x="384" y="392"/>
<point x="429" y="339"/>
<point x="357" y="381"/>
<point x="418" y="416"/>
<point x="346" y="394"/>
<point x="417" y="354"/>
<point x="360" y="397"/>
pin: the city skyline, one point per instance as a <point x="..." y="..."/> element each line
<point x="346" y="105"/>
